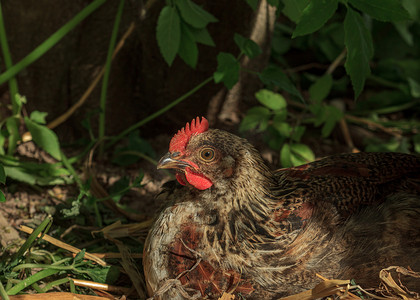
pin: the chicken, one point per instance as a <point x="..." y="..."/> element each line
<point x="230" y="224"/>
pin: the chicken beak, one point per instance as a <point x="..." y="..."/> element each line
<point x="171" y="161"/>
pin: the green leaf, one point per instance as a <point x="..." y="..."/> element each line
<point x="79" y="257"/>
<point x="301" y="154"/>
<point x="2" y="197"/>
<point x="283" y="128"/>
<point x="414" y="87"/>
<point x="314" y="16"/>
<point x="320" y="89"/>
<point x="382" y="10"/>
<point x="274" y="76"/>
<point x="285" y="156"/>
<point x="416" y="141"/>
<point x="12" y="128"/>
<point x="22" y="174"/>
<point x="168" y="33"/>
<point x="253" y="118"/>
<point x="38" y="117"/>
<point x="188" y="50"/>
<point x="293" y="9"/>
<point x="331" y="116"/>
<point x="253" y="4"/>
<point x="403" y="29"/>
<point x="247" y="46"/>
<point x="274" y="3"/>
<point x="297" y="133"/>
<point x="271" y="100"/>
<point x="280" y="116"/>
<point x="227" y="70"/>
<point x="359" y="45"/>
<point x="44" y="138"/>
<point x="103" y="274"/>
<point x="194" y="14"/>
<point x="2" y="175"/>
<point x="202" y="36"/>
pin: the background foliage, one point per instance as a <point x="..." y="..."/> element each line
<point x="336" y="68"/>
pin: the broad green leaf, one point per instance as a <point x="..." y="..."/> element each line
<point x="359" y="46"/>
<point x="194" y="14"/>
<point x="247" y="46"/>
<point x="382" y="10"/>
<point x="301" y="154"/>
<point x="274" y="76"/>
<point x="188" y="50"/>
<point x="202" y="36"/>
<point x="253" y="4"/>
<point x="314" y="16"/>
<point x="168" y="33"/>
<point x="270" y="99"/>
<point x="285" y="156"/>
<point x="44" y="138"/>
<point x="38" y="117"/>
<point x="2" y="175"/>
<point x="283" y="128"/>
<point x="227" y="70"/>
<point x="253" y="118"/>
<point x="320" y="89"/>
<point x="293" y="9"/>
<point x="2" y="197"/>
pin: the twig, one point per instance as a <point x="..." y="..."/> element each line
<point x="336" y="62"/>
<point x="102" y="286"/>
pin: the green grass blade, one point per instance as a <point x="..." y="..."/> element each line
<point x="50" y="42"/>
<point x="13" y="87"/>
<point x="31" y="280"/>
<point x="105" y="79"/>
<point x="3" y="294"/>
<point x="29" y="241"/>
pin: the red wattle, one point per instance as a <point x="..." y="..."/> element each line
<point x="197" y="180"/>
<point x="180" y="179"/>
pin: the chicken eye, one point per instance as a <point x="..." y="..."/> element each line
<point x="207" y="154"/>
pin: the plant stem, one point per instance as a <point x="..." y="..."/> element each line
<point x="13" y="122"/>
<point x="70" y="168"/>
<point x="157" y="113"/>
<point x="13" y="87"/>
<point x="105" y="79"/>
<point x="50" y="42"/>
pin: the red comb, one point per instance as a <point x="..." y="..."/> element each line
<point x="180" y="140"/>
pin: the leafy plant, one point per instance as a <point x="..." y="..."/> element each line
<point x="181" y="25"/>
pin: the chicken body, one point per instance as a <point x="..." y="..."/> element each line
<point x="233" y="225"/>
